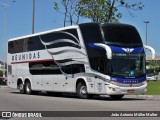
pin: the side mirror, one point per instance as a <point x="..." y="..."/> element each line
<point x="107" y="48"/>
<point x="152" y="51"/>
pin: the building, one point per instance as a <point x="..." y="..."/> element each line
<point x="1" y="66"/>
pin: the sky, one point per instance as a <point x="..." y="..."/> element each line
<point x="19" y="20"/>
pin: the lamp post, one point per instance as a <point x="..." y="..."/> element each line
<point x="146" y="22"/>
<point x="33" y="15"/>
<point x="5" y="6"/>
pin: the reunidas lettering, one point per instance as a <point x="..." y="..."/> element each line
<point x="25" y="56"/>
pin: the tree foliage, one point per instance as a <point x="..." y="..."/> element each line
<point x="154" y="66"/>
<point x="71" y="11"/>
<point x="95" y="10"/>
<point x="107" y="10"/>
<point x="1" y="73"/>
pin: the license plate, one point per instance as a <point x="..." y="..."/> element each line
<point x="130" y="91"/>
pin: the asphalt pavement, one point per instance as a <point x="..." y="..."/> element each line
<point x="12" y="100"/>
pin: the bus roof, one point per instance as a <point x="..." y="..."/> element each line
<point x="44" y="32"/>
<point x="69" y="27"/>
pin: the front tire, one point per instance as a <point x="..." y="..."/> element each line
<point x="116" y="97"/>
<point x="82" y="91"/>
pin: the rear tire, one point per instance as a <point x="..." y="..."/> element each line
<point x="21" y="88"/>
<point x="116" y="97"/>
<point x="82" y="91"/>
<point x="28" y="88"/>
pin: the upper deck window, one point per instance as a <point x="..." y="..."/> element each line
<point x="121" y="35"/>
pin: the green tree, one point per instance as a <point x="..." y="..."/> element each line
<point x="71" y="11"/>
<point x="1" y="73"/>
<point x="107" y="10"/>
<point x="154" y="66"/>
<point x="95" y="10"/>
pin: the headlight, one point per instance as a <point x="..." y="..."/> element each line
<point x="144" y="82"/>
<point x="113" y="82"/>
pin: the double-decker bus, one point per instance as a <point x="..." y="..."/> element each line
<point x="87" y="59"/>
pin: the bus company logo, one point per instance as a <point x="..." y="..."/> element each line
<point x="128" y="50"/>
<point x="99" y="84"/>
<point x="26" y="56"/>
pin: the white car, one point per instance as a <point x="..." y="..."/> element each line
<point x="151" y="77"/>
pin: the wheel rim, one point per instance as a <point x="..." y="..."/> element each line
<point x="21" y="86"/>
<point x="83" y="90"/>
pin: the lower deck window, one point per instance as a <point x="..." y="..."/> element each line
<point x="40" y="68"/>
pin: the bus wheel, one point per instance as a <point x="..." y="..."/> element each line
<point x="82" y="90"/>
<point x="116" y="97"/>
<point x="21" y="88"/>
<point x="28" y="88"/>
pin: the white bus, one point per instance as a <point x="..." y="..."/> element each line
<point x="87" y="59"/>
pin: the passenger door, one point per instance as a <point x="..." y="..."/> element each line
<point x="59" y="83"/>
<point x="37" y="82"/>
<point x="48" y="82"/>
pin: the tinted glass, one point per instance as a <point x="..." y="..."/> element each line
<point x="73" y="69"/>
<point x="121" y="35"/>
<point x="18" y="46"/>
<point x="34" y="43"/>
<point x="40" y="68"/>
<point x="127" y="65"/>
<point x="91" y="34"/>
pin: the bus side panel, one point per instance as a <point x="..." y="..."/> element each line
<point x="12" y="78"/>
<point x="99" y="86"/>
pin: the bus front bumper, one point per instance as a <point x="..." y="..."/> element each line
<point x="116" y="90"/>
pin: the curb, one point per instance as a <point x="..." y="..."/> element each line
<point x="3" y="86"/>
<point x="144" y="96"/>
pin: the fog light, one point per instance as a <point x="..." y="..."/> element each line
<point x="113" y="89"/>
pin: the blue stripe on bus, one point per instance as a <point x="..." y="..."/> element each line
<point x="94" y="46"/>
<point x="129" y="80"/>
<point x="119" y="49"/>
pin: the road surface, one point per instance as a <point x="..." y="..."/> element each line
<point x="12" y="100"/>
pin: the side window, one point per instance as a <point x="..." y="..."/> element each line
<point x="9" y="69"/>
<point x="67" y="37"/>
<point x="10" y="47"/>
<point x="99" y="64"/>
<point x="43" y="68"/>
<point x="16" y="46"/>
<point x="78" y="68"/>
<point x="91" y="33"/>
<point x="73" y="69"/>
<point x="34" y="43"/>
<point x="63" y="38"/>
<point x="97" y="56"/>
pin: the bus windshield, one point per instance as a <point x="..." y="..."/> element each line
<point x="127" y="65"/>
<point x="118" y="35"/>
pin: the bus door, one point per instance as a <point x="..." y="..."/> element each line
<point x="68" y="77"/>
<point x="12" y="75"/>
<point x="59" y="83"/>
<point x="73" y="70"/>
<point x="48" y="82"/>
<point x="37" y="81"/>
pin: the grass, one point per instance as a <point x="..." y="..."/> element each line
<point x="153" y="88"/>
<point x="3" y="84"/>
